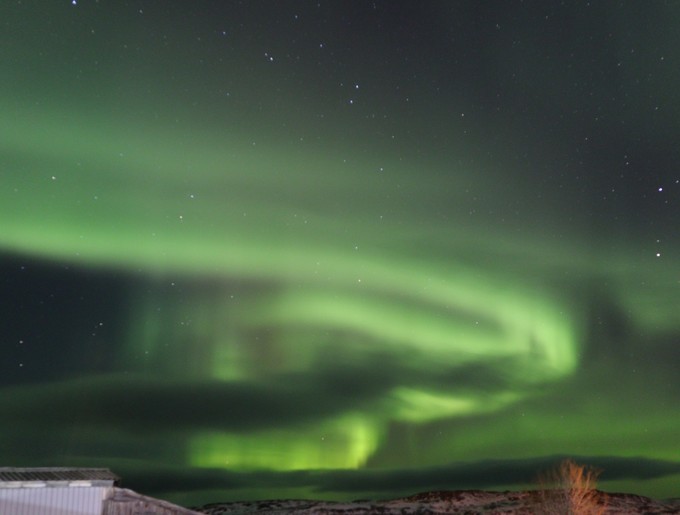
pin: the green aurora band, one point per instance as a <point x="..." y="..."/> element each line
<point x="301" y="263"/>
<point x="75" y="196"/>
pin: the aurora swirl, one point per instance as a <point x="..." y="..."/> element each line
<point x="268" y="268"/>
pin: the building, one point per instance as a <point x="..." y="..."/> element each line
<point x="74" y="491"/>
<point x="127" y="502"/>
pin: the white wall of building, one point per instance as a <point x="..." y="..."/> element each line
<point x="53" y="500"/>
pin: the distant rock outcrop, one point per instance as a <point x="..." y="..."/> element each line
<point x="468" y="502"/>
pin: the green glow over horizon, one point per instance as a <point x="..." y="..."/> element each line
<point x="441" y="315"/>
<point x="239" y="244"/>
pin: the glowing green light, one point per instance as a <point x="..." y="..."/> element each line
<point x="293" y="280"/>
<point x="340" y="443"/>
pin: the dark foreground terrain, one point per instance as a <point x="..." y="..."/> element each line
<point x="462" y="502"/>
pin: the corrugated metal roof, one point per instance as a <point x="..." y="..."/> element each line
<point x="56" y="474"/>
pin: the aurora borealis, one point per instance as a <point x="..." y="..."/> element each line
<point x="340" y="249"/>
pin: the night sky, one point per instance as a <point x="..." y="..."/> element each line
<point x="340" y="249"/>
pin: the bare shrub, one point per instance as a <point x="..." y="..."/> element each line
<point x="570" y="489"/>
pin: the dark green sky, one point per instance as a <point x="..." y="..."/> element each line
<point x="340" y="249"/>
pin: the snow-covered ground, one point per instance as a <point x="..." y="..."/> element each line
<point x="462" y="502"/>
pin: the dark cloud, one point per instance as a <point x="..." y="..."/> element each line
<point x="37" y="296"/>
<point x="135" y="403"/>
<point x="489" y="473"/>
<point x="455" y="476"/>
<point x="138" y="404"/>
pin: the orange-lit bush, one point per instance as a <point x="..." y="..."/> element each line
<point x="570" y="489"/>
